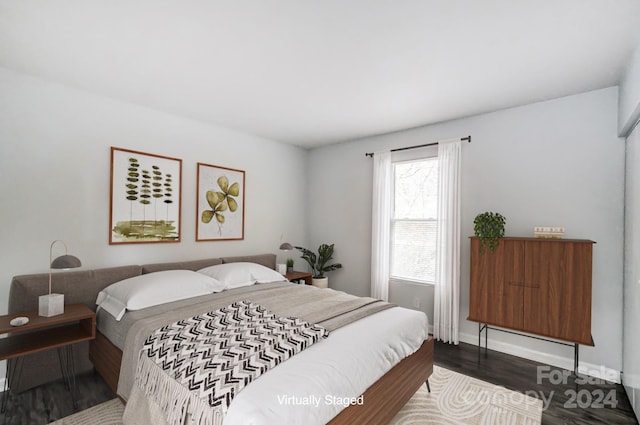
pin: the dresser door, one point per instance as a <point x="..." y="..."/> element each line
<point x="496" y="286"/>
<point x="575" y="315"/>
<point x="544" y="284"/>
<point x="557" y="292"/>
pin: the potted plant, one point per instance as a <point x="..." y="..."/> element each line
<point x="489" y="227"/>
<point x="289" y="265"/>
<point x="320" y="263"/>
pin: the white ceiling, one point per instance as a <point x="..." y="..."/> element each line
<point x="314" y="72"/>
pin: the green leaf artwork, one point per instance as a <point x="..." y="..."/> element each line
<point x="221" y="201"/>
<point x="149" y="194"/>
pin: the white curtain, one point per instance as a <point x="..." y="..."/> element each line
<point x="447" y="288"/>
<point x="381" y="223"/>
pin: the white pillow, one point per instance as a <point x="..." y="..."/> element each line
<point x="152" y="289"/>
<point x="236" y="275"/>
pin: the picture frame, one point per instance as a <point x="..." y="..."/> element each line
<point x="220" y="203"/>
<point x="145" y="198"/>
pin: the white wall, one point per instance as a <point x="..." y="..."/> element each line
<point x="54" y="176"/>
<point x="555" y="163"/>
<point x="552" y="163"/>
<point x="631" y="351"/>
<point x="629" y="116"/>
<point x="629" y="102"/>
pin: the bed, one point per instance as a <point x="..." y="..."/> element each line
<point x="385" y="367"/>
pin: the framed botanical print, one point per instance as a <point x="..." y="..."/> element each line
<point x="146" y="197"/>
<point x="220" y="203"/>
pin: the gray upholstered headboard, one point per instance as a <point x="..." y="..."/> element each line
<point x="82" y="287"/>
<point x="267" y="260"/>
<point x="182" y="265"/>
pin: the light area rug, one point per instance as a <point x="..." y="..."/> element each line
<point x="107" y="413"/>
<point x="455" y="399"/>
<point x="458" y="399"/>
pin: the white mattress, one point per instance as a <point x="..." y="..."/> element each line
<point x="313" y="386"/>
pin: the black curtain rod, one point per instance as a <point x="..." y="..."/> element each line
<point x="463" y="139"/>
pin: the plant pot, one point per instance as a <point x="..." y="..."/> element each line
<point x="320" y="282"/>
<point x="289" y="269"/>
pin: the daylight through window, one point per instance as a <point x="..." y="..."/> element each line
<point x="414" y="219"/>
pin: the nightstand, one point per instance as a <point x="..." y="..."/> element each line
<point x="298" y="276"/>
<point x="76" y="324"/>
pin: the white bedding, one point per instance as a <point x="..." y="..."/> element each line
<point x="313" y="386"/>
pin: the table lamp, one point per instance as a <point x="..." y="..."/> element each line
<point x="53" y="304"/>
<point x="282" y="268"/>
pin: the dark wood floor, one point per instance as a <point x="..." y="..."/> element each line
<point x="581" y="400"/>
<point x="567" y="403"/>
<point x="52" y="401"/>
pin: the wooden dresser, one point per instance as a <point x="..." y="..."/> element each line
<point x="537" y="286"/>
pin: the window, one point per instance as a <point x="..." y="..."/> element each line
<point x="414" y="220"/>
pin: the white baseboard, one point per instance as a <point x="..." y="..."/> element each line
<point x="631" y="384"/>
<point x="632" y="396"/>
<point x="596" y="371"/>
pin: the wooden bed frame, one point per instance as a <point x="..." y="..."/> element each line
<point x="382" y="400"/>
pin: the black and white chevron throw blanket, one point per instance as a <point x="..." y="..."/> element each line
<point x="193" y="368"/>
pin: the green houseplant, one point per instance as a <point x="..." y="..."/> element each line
<point x="289" y="265"/>
<point x="489" y="227"/>
<point x="320" y="263"/>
